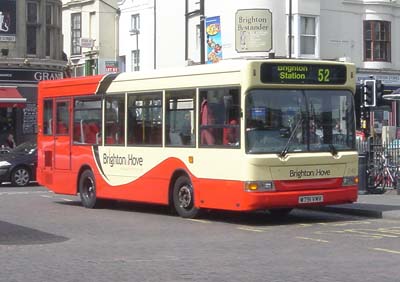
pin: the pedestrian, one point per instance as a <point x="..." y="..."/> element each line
<point x="10" y="143"/>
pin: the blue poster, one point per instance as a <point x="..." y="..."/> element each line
<point x="214" y="43"/>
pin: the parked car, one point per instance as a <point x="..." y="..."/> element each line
<point x="4" y="150"/>
<point x="19" y="165"/>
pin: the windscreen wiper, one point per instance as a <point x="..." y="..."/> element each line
<point x="286" y="148"/>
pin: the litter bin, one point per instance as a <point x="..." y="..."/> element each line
<point x="362" y="173"/>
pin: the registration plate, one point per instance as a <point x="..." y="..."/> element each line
<point x="311" y="199"/>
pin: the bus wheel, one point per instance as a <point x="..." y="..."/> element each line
<point x="87" y="189"/>
<point x="283" y="212"/>
<point x="183" y="198"/>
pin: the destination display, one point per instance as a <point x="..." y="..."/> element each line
<point x="303" y="73"/>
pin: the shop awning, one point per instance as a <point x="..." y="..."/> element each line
<point x="10" y="97"/>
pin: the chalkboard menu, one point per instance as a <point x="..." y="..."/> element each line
<point x="29" y="122"/>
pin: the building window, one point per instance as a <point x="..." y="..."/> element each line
<point x="50" y="21"/>
<point x="32" y="27"/>
<point x="135" y="66"/>
<point x="76" y="34"/>
<point x="377" y="41"/>
<point x="135" y="23"/>
<point x="307" y="35"/>
<point x="198" y="37"/>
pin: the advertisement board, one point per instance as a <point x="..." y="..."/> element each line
<point x="214" y="42"/>
<point x="253" y="30"/>
<point x="8" y="20"/>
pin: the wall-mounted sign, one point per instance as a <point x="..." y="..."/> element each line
<point x="111" y="66"/>
<point x="87" y="42"/>
<point x="253" y="30"/>
<point x="8" y="20"/>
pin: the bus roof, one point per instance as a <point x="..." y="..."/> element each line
<point x="84" y="85"/>
<point x="226" y="72"/>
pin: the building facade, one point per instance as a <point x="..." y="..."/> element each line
<point x="31" y="51"/>
<point x="364" y="32"/>
<point x="91" y="30"/>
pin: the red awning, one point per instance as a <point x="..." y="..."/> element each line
<point x="10" y="97"/>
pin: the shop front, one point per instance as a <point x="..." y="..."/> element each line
<point x="18" y="102"/>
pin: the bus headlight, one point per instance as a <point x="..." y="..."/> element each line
<point x="259" y="186"/>
<point x="350" y="181"/>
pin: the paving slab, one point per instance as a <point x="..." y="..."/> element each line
<point x="369" y="205"/>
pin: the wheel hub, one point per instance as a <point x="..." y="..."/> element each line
<point x="185" y="196"/>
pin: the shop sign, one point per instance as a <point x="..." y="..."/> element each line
<point x="386" y="79"/>
<point x="87" y="43"/>
<point x="28" y="76"/>
<point x="111" y="66"/>
<point x="253" y="30"/>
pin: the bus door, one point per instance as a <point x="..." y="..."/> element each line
<point x="62" y="136"/>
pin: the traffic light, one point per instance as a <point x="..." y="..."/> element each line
<point x="369" y="93"/>
<point x="379" y="92"/>
<point x="379" y="89"/>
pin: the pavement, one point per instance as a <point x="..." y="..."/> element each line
<point x="386" y="206"/>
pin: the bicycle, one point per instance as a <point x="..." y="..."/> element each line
<point x="382" y="174"/>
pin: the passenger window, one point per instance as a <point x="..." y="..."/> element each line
<point x="48" y="117"/>
<point x="62" y="118"/>
<point x="145" y="119"/>
<point x="180" y="118"/>
<point x="219" y="117"/>
<point x="114" y="127"/>
<point x="87" y="121"/>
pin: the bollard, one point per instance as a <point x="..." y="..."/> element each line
<point x="362" y="173"/>
<point x="398" y="186"/>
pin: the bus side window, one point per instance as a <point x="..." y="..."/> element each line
<point x="180" y="119"/>
<point x="87" y="121"/>
<point x="231" y="133"/>
<point x="144" y="119"/>
<point x="62" y="113"/>
<point x="47" y="117"/>
<point x="207" y="120"/>
<point x="220" y="117"/>
<point x="115" y="120"/>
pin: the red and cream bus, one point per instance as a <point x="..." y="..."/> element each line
<point x="239" y="135"/>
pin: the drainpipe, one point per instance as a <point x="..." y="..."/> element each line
<point x="155" y="33"/>
<point x="116" y="54"/>
<point x="202" y="34"/>
<point x="290" y="29"/>
<point x="186" y="30"/>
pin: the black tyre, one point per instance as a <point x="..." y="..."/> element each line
<point x="87" y="190"/>
<point x="20" y="176"/>
<point x="183" y="198"/>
